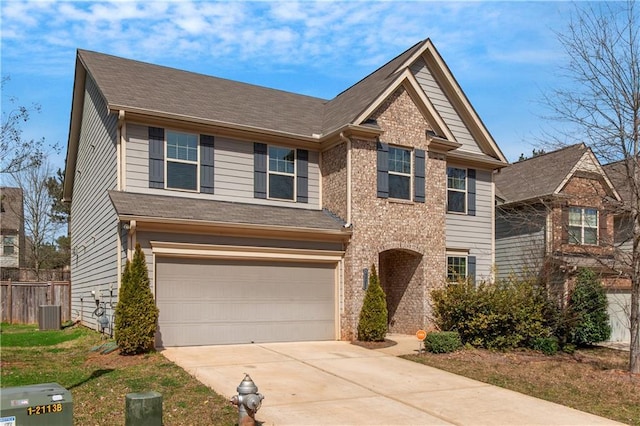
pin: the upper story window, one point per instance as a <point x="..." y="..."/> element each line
<point x="456" y="190"/>
<point x="583" y="226"/>
<point x="179" y="160"/>
<point x="399" y="173"/>
<point x="182" y="161"/>
<point x="8" y="245"/>
<point x="282" y="173"/>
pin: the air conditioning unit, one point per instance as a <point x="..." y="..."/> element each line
<point x="49" y="317"/>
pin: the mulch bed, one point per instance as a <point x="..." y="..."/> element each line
<point x="374" y="345"/>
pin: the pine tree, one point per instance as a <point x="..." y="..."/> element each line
<point x="136" y="313"/>
<point x="372" y="324"/>
<point x="587" y="307"/>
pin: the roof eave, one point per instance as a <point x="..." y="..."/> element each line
<point x="292" y="232"/>
<point x="477" y="160"/>
<point x="220" y="127"/>
<point x="75" y="121"/>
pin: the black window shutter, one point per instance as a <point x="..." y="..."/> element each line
<point x="206" y="164"/>
<point x="471" y="269"/>
<point x="302" y="175"/>
<point x="418" y="178"/>
<point x="156" y="157"/>
<point x="471" y="192"/>
<point x="603" y="237"/>
<point x="259" y="170"/>
<point x="564" y="234"/>
<point x="383" y="170"/>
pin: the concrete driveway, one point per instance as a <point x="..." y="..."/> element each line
<point x="336" y="383"/>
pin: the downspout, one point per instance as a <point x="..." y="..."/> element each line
<point x="119" y="150"/>
<point x="131" y="239"/>
<point x="348" y="142"/>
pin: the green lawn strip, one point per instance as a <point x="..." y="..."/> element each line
<point x="34" y="337"/>
<point x="586" y="382"/>
<point x="99" y="383"/>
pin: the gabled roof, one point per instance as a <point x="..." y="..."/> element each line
<point x="137" y="89"/>
<point x="618" y="174"/>
<point x="545" y="175"/>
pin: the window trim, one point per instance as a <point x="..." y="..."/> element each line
<point x="167" y="159"/>
<point x="465" y="191"/>
<point x="410" y="175"/>
<point x="465" y="256"/>
<point x="12" y="244"/>
<point x="293" y="175"/>
<point x="583" y="226"/>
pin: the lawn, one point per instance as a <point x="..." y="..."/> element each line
<point x="592" y="380"/>
<point x="99" y="382"/>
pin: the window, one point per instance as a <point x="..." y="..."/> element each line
<point x="399" y="173"/>
<point x="282" y="173"/>
<point x="8" y="245"/>
<point x="456" y="268"/>
<point x="456" y="190"/>
<point x="182" y="161"/>
<point x="583" y="226"/>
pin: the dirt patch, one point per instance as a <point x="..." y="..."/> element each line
<point x="114" y="360"/>
<point x="595" y="380"/>
<point x="374" y="345"/>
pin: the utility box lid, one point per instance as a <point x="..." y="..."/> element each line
<point x="46" y="403"/>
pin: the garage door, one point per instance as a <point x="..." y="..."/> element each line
<point x="619" y="307"/>
<point x="204" y="302"/>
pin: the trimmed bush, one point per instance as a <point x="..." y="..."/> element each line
<point x="504" y="315"/>
<point x="546" y="345"/>
<point x="372" y="324"/>
<point x="136" y="313"/>
<point x="587" y="308"/>
<point x="440" y="342"/>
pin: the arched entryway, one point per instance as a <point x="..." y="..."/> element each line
<point x="402" y="278"/>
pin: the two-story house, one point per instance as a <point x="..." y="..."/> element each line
<point x="555" y="214"/>
<point x="260" y="212"/>
<point x="11" y="232"/>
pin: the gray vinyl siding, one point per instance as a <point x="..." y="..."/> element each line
<point x="145" y="238"/>
<point x="444" y="107"/>
<point x="475" y="233"/>
<point x="520" y="243"/>
<point x="233" y="171"/>
<point x="624" y="233"/>
<point x="93" y="219"/>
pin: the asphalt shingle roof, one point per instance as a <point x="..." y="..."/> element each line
<point x="618" y="175"/>
<point x="132" y="84"/>
<point x="138" y="85"/>
<point x="168" y="207"/>
<point x="538" y="176"/>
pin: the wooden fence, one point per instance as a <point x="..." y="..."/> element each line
<point x="20" y="300"/>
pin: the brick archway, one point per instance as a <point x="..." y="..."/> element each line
<point x="401" y="278"/>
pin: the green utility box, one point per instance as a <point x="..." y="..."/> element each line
<point x="44" y="404"/>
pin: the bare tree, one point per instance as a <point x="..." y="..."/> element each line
<point x="600" y="105"/>
<point x="40" y="227"/>
<point x="17" y="153"/>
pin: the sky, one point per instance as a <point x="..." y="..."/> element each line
<point x="504" y="55"/>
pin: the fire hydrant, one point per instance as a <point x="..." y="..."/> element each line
<point x="248" y="401"/>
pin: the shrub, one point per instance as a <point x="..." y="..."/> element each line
<point x="503" y="315"/>
<point x="546" y="345"/>
<point x="440" y="342"/>
<point x="136" y="312"/>
<point x="587" y="308"/>
<point x="372" y="324"/>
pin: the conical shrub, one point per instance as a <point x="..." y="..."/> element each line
<point x="587" y="307"/>
<point x="136" y="313"/>
<point x="372" y="324"/>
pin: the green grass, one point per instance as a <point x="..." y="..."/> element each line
<point x="99" y="383"/>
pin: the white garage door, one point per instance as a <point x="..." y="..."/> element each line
<point x="205" y="302"/>
<point x="619" y="309"/>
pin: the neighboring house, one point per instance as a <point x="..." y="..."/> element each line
<point x="12" y="232"/>
<point x="555" y="214"/>
<point x="619" y="296"/>
<point x="260" y="212"/>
